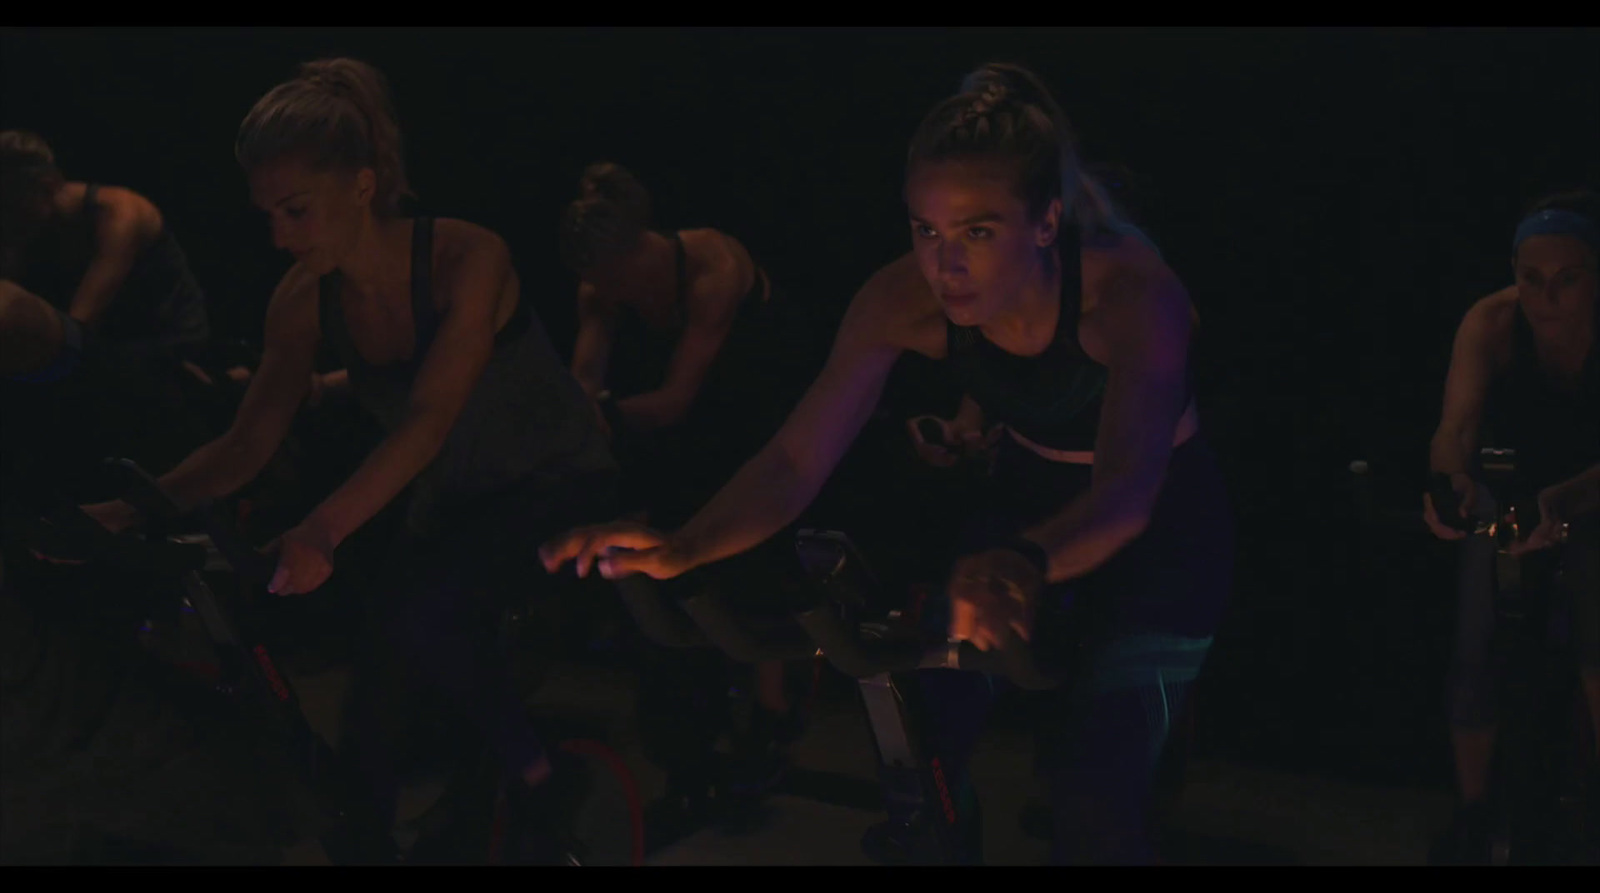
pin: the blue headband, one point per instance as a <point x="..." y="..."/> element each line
<point x="1558" y="223"/>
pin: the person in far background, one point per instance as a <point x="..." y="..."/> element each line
<point x="108" y="258"/>
<point x="691" y="352"/>
<point x="1524" y="373"/>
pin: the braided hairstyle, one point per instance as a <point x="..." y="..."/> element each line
<point x="337" y="114"/>
<point x="1003" y="112"/>
<point x="605" y="221"/>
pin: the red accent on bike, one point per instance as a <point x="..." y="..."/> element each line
<point x="273" y="679"/>
<point x="630" y="787"/>
<point x="944" y="792"/>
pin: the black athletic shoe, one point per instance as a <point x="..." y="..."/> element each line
<point x="919" y="837"/>
<point x="915" y="841"/>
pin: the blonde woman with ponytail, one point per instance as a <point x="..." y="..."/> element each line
<point x="1107" y="539"/>
<point x="491" y="444"/>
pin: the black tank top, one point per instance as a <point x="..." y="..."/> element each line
<point x="761" y="368"/>
<point x="159" y="306"/>
<point x="1052" y="399"/>
<point x="1555" y="430"/>
<point x="527" y="421"/>
<point x="643" y="354"/>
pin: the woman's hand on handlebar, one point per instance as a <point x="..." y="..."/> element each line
<point x="1466" y="491"/>
<point x="1552" y="529"/>
<point x="991" y="591"/>
<point x="619" y="549"/>
<point x="305" y="559"/>
<point x="115" y="516"/>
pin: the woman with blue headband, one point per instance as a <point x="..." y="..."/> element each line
<point x="1524" y="365"/>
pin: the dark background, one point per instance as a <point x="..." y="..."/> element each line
<point x="1334" y="200"/>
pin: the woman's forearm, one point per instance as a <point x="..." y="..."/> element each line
<point x="1085" y="534"/>
<point x="766" y="495"/>
<point x="220" y="467"/>
<point x="1450" y="452"/>
<point x="650" y="411"/>
<point x="382" y="476"/>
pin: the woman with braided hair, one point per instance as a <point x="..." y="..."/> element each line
<point x="1107" y="539"/>
<point x="490" y="444"/>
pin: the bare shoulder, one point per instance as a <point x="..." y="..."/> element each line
<point x="1133" y="303"/>
<point x="1119" y="271"/>
<point x="1487" y="324"/>
<point x="119" y="208"/>
<point x="896" y="307"/>
<point x="292" y="310"/>
<point x="710" y="246"/>
<point x="721" y="272"/>
<point x="454" y="239"/>
<point x="122" y="197"/>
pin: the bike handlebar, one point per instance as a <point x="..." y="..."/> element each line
<point x="146" y="495"/>
<point x="832" y="566"/>
<point x="841" y="578"/>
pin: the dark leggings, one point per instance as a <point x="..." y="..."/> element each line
<point x="1097" y="745"/>
<point x="1135" y="633"/>
<point x="431" y="649"/>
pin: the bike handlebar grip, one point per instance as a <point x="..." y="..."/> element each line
<point x="68" y="533"/>
<point x="853" y="656"/>
<point x="145" y="494"/>
<point x="246" y="561"/>
<point x="725" y="632"/>
<point x="825" y="555"/>
<point x="1014" y="660"/>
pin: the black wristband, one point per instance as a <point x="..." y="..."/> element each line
<point x="1010" y="539"/>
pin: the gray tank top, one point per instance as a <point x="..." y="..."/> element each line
<point x="527" y="423"/>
